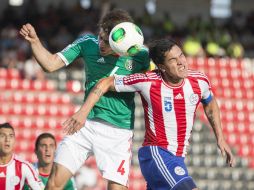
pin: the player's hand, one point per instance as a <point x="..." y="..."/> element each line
<point x="226" y="151"/>
<point x="28" y="32"/>
<point x="73" y="124"/>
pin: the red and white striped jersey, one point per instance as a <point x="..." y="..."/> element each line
<point x="16" y="173"/>
<point x="169" y="111"/>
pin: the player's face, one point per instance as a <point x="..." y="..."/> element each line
<point x="46" y="151"/>
<point x="175" y="65"/>
<point x="105" y="48"/>
<point x="7" y="141"/>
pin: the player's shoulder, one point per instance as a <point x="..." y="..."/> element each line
<point x="153" y="75"/>
<point x="86" y="38"/>
<point x="145" y="77"/>
<point x="143" y="52"/>
<point x="17" y="158"/>
<point x="193" y="74"/>
<point x="22" y="161"/>
<point x="142" y="55"/>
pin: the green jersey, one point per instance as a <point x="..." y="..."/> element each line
<point x="115" y="108"/>
<point x="44" y="178"/>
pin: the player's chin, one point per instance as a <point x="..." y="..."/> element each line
<point x="103" y="53"/>
<point x="183" y="73"/>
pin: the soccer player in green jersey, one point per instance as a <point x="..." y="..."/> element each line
<point x="107" y="134"/>
<point x="45" y="147"/>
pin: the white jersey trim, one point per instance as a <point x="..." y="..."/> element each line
<point x="66" y="62"/>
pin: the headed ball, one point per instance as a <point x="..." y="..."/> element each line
<point x="126" y="39"/>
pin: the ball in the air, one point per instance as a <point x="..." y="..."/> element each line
<point x="126" y="39"/>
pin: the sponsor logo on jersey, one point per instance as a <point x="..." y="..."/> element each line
<point x="101" y="60"/>
<point x="129" y="65"/>
<point x="194" y="99"/>
<point x="15" y="180"/>
<point x="179" y="96"/>
<point x="2" y="174"/>
<point x="179" y="170"/>
<point x="167" y="104"/>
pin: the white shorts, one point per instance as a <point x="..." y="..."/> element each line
<point x="110" y="145"/>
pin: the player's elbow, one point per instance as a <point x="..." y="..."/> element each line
<point x="47" y="70"/>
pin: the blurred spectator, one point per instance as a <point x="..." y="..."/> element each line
<point x="193" y="47"/>
<point x="60" y="21"/>
<point x="9" y="58"/>
<point x="45" y="147"/>
<point x="168" y="25"/>
<point x="32" y="70"/>
<point x="213" y="49"/>
<point x="61" y="39"/>
<point x="235" y="50"/>
<point x="14" y="171"/>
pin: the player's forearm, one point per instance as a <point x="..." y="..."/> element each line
<point x="48" y="61"/>
<point x="103" y="86"/>
<point x="213" y="115"/>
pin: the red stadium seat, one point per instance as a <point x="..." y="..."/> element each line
<point x="13" y="73"/>
<point x="3" y="73"/>
<point x="26" y="84"/>
<point x="74" y="86"/>
<point x="3" y="83"/>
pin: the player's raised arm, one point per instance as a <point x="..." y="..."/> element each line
<point x="213" y="114"/>
<point x="77" y="121"/>
<point x="48" y="61"/>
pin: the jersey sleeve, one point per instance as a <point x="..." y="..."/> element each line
<point x="130" y="83"/>
<point x="31" y="177"/>
<point x="206" y="93"/>
<point x="73" y="50"/>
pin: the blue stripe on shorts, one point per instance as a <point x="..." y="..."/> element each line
<point x="161" y="169"/>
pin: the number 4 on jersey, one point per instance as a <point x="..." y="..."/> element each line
<point x="121" y="168"/>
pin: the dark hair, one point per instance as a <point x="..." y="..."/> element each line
<point x="158" y="48"/>
<point x="43" y="136"/>
<point x="113" y="18"/>
<point x="6" y="126"/>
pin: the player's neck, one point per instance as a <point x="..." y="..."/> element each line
<point x="172" y="81"/>
<point x="5" y="159"/>
<point x="44" y="169"/>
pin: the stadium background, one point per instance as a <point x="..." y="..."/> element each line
<point x="34" y="101"/>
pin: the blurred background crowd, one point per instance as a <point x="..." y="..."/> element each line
<point x="218" y="42"/>
<point x="59" y="24"/>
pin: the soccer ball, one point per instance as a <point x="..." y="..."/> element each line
<point x="126" y="39"/>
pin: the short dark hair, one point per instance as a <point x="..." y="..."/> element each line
<point x="6" y="126"/>
<point x="114" y="17"/>
<point x="158" y="48"/>
<point x="43" y="136"/>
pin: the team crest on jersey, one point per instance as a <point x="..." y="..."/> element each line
<point x="15" y="180"/>
<point x="167" y="104"/>
<point x="179" y="170"/>
<point x="129" y="65"/>
<point x="194" y="99"/>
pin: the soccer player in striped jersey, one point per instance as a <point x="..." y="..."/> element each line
<point x="108" y="131"/>
<point x="14" y="172"/>
<point x="170" y="97"/>
<point x="45" y="147"/>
